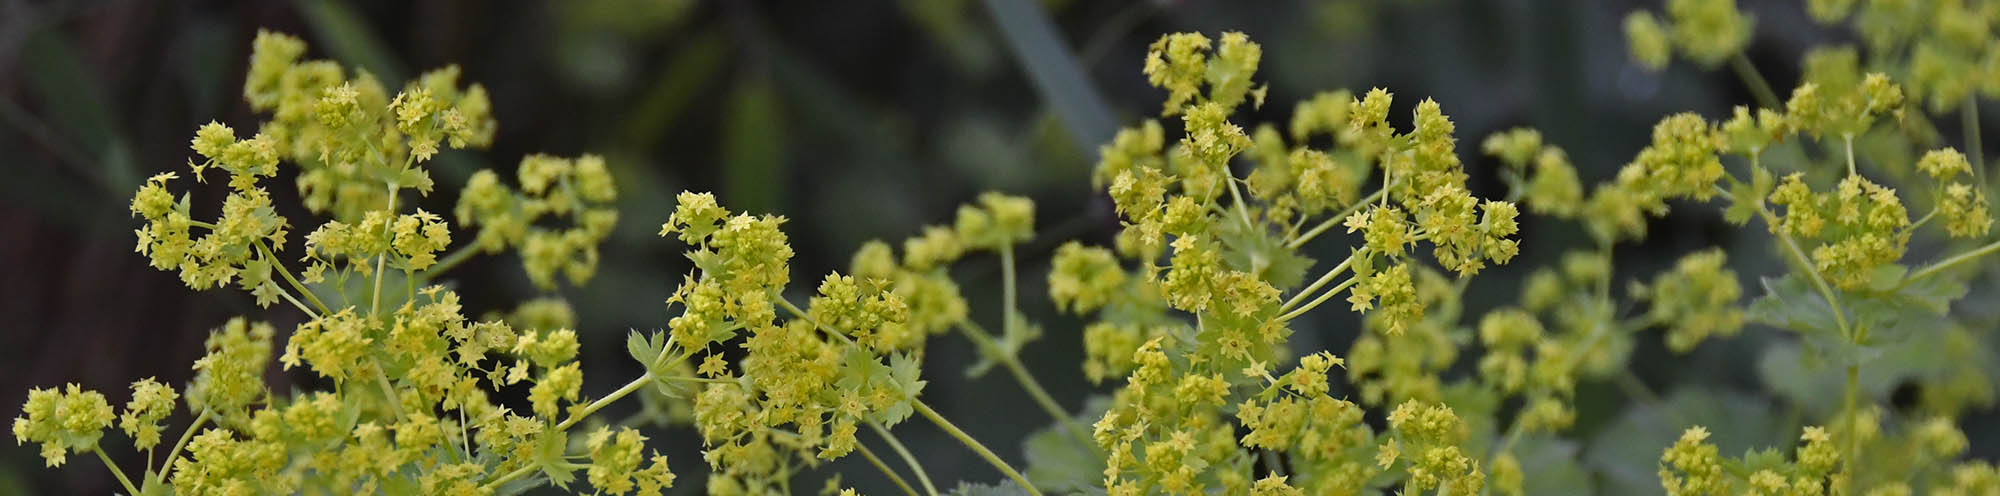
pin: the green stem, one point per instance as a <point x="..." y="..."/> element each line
<point x="877" y="462"/>
<point x="295" y="303"/>
<point x="1933" y="269"/>
<point x="1758" y="88"/>
<point x="1323" y="279"/>
<point x="1507" y="441"/>
<point x="976" y="447"/>
<point x="451" y="260"/>
<point x="1335" y="219"/>
<point x="1009" y="317"/>
<point x="167" y="463"/>
<point x="289" y="278"/>
<point x="577" y="416"/>
<point x="1295" y="313"/>
<point x="1242" y="212"/>
<point x="494" y="485"/>
<point x="375" y="301"/>
<point x="1271" y="462"/>
<point x="908" y="459"/>
<point x="1021" y="375"/>
<point x="1819" y="283"/>
<point x="114" y="469"/>
<point x="389" y="391"/>
<point x="1848" y="141"/>
<point x="1853" y="418"/>
<point x="1971" y="119"/>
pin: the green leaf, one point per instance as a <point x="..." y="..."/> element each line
<point x="641" y="349"/>
<point x="1259" y="252"/>
<point x="1790" y="303"/>
<point x="1003" y="488"/>
<point x="1815" y="384"/>
<point x="1551" y="467"/>
<point x="1626" y="453"/>
<point x="1745" y="199"/>
<point x="346" y="35"/>
<point x="1059" y="462"/>
<point x="1887" y="277"/>
<point x="549" y="456"/>
<point x="753" y="148"/>
<point x="904" y="373"/>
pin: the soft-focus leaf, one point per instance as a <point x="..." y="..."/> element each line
<point x="1059" y="462"/>
<point x="1002" y="488"/>
<point x="1627" y="452"/>
<point x="1551" y="467"/>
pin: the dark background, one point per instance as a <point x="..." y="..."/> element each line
<point x="857" y="120"/>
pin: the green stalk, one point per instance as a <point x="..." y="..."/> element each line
<point x="1323" y="279"/>
<point x="1321" y="299"/>
<point x="1241" y="211"/>
<point x="1848" y="141"/>
<point x="1027" y="380"/>
<point x="289" y="278"/>
<point x="375" y="302"/>
<point x="1336" y="219"/>
<point x="114" y="469"/>
<point x="877" y="461"/>
<point x="908" y="459"/>
<point x="1933" y="269"/>
<point x="1971" y="119"/>
<point x="451" y="260"/>
<point x="1853" y="418"/>
<point x="976" y="447"/>
<point x="1007" y="295"/>
<point x="389" y="391"/>
<point x="161" y="475"/>
<point x="494" y="485"/>
<point x="577" y="416"/>
<point x="1759" y="88"/>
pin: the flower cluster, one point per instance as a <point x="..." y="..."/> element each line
<point x="1550" y="186"/>
<point x="1434" y="437"/>
<point x="1708" y="32"/>
<point x="581" y="190"/>
<point x="1942" y="48"/>
<point x="348" y="134"/>
<point x="1695" y="300"/>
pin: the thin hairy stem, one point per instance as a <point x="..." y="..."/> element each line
<point x="114" y="469"/>
<point x="1027" y="380"/>
<point x="451" y="260"/>
<point x="877" y="462"/>
<point x="1316" y="284"/>
<point x="293" y="280"/>
<point x="578" y="416"/>
<point x="908" y="459"/>
<point x="1848" y="141"/>
<point x="1329" y="294"/>
<point x="375" y="301"/>
<point x="1008" y="300"/>
<point x="1242" y="212"/>
<point x="1335" y="219"/>
<point x="1969" y="255"/>
<point x="388" y="391"/>
<point x="186" y="435"/>
<point x="1758" y="88"/>
<point x="969" y="442"/>
<point x="1971" y="125"/>
<point x="493" y="485"/>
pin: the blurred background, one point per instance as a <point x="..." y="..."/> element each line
<point x="857" y="120"/>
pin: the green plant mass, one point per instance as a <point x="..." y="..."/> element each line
<point x="1204" y="322"/>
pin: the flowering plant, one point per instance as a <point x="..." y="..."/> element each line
<point x="1191" y="312"/>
